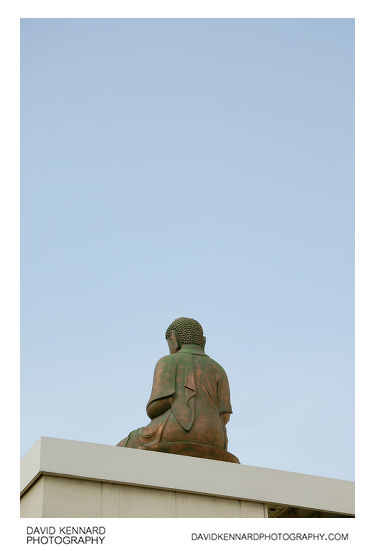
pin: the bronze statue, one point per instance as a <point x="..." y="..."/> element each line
<point x="189" y="404"/>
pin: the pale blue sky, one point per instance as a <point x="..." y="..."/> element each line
<point x="200" y="168"/>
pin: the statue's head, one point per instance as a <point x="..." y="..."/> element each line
<point x="184" y="331"/>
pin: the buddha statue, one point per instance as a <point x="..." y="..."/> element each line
<point x="189" y="405"/>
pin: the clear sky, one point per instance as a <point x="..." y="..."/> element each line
<point x="199" y="168"/>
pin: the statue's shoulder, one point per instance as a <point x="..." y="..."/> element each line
<point x="212" y="361"/>
<point x="165" y="361"/>
<point x="219" y="368"/>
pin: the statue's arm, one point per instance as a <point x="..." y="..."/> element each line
<point x="224" y="418"/>
<point x="163" y="388"/>
<point x="158" y="407"/>
<point x="225" y="408"/>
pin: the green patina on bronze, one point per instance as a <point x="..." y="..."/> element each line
<point x="189" y="405"/>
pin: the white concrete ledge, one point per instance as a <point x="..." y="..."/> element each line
<point x="103" y="463"/>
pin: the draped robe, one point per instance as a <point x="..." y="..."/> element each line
<point x="197" y="392"/>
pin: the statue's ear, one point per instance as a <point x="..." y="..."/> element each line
<point x="204" y="343"/>
<point x="174" y="338"/>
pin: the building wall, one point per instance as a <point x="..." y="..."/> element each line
<point x="62" y="497"/>
<point x="32" y="500"/>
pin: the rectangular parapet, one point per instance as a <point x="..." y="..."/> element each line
<point x="98" y="463"/>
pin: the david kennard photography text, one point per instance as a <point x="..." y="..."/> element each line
<point x="65" y="534"/>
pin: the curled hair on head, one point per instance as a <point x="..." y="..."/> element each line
<point x="189" y="331"/>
